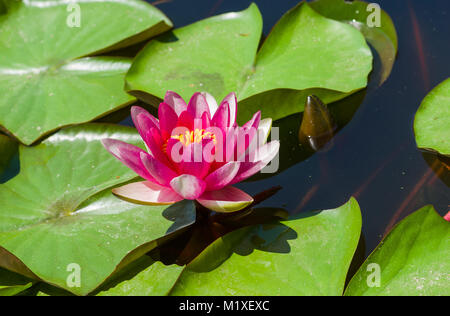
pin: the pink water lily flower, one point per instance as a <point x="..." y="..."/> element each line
<point x="195" y="151"/>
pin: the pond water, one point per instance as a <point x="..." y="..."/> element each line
<point x="374" y="157"/>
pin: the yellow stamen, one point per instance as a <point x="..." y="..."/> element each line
<point x="194" y="137"/>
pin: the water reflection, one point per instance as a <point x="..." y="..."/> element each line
<point x="273" y="237"/>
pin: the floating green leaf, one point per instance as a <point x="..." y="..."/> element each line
<point x="145" y="277"/>
<point x="214" y="55"/>
<point x="373" y="22"/>
<point x="46" y="80"/>
<point x="304" y="52"/>
<point x="12" y="283"/>
<point x="306" y="255"/>
<point x="60" y="210"/>
<point x="414" y="259"/>
<point x="432" y="122"/>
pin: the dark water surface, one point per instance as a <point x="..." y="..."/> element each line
<point x="374" y="157"/>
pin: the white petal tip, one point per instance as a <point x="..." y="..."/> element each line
<point x="147" y="193"/>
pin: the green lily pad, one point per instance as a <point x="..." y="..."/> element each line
<point x="59" y="213"/>
<point x="12" y="290"/>
<point x="145" y="277"/>
<point x="12" y="283"/>
<point x="363" y="16"/>
<point x="220" y="50"/>
<point x="305" y="51"/>
<point x="46" y="80"/>
<point x="413" y="260"/>
<point x="432" y="122"/>
<point x="306" y="255"/>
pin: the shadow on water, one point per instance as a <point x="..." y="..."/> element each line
<point x="265" y="233"/>
<point x="167" y="37"/>
<point x="269" y="238"/>
<point x="177" y="214"/>
<point x="215" y="237"/>
<point x="211" y="243"/>
<point x="272" y="237"/>
<point x="210" y="226"/>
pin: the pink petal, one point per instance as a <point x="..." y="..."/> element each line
<point x="174" y="150"/>
<point x="159" y="171"/>
<point x="230" y="143"/>
<point x="175" y="101"/>
<point x="226" y="147"/>
<point x="198" y="105"/>
<point x="147" y="192"/>
<point x="143" y="120"/>
<point x="194" y="161"/>
<point x="447" y="217"/>
<point x="155" y="145"/>
<point x="147" y="132"/>
<point x="188" y="186"/>
<point x="259" y="139"/>
<point x="222" y="116"/>
<point x="129" y="155"/>
<point x="212" y="103"/>
<point x="167" y="120"/>
<point x="254" y="121"/>
<point x="228" y="199"/>
<point x="206" y="121"/>
<point x="232" y="102"/>
<point x="262" y="157"/>
<point x="246" y="135"/>
<point x="186" y="119"/>
<point x="221" y="177"/>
